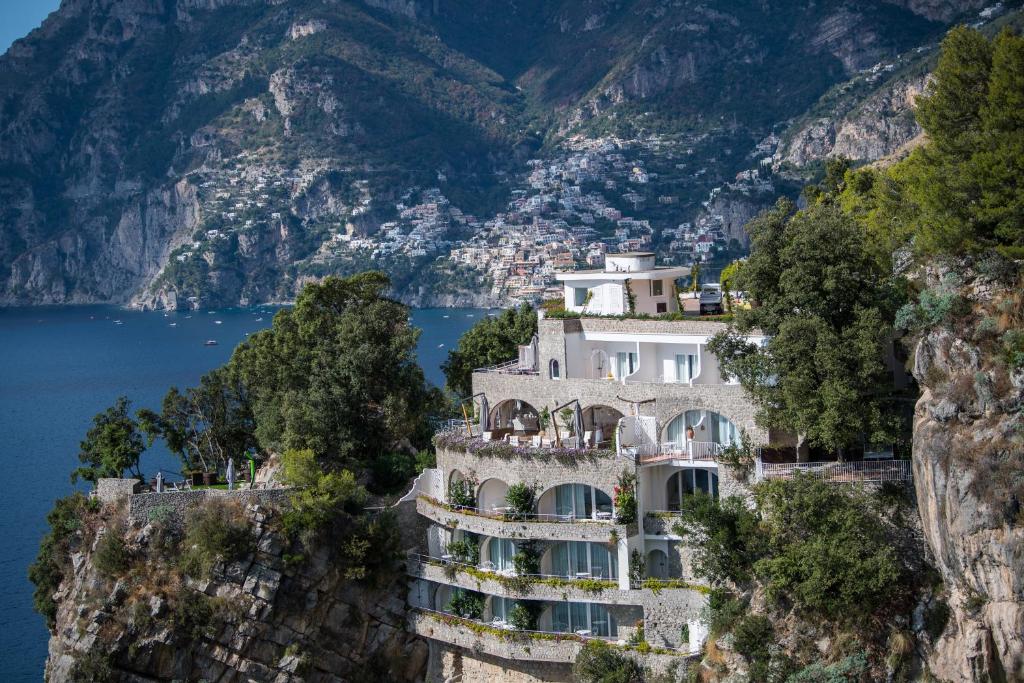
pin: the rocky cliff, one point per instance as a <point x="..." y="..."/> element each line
<point x="127" y="612"/>
<point x="968" y="459"/>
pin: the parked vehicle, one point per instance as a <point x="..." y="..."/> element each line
<point x="711" y="299"/>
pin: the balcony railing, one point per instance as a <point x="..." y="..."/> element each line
<point x="417" y="559"/>
<point x="839" y="472"/>
<point x="506" y="515"/>
<point x="512" y="367"/>
<point x="503" y="629"/>
<point x="702" y="451"/>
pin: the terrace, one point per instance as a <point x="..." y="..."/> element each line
<point x="490" y="522"/>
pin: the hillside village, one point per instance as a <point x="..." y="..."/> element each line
<point x="566" y="211"/>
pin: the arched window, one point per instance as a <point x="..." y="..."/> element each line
<point x="580" y="501"/>
<point x="688" y="482"/>
<point x="553" y="369"/>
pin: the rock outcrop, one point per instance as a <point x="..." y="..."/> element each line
<point x="968" y="459"/>
<point x="265" y="617"/>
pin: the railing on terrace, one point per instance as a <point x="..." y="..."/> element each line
<point x="511" y="516"/>
<point x="457" y="426"/>
<point x="706" y="451"/>
<point x="839" y="472"/>
<point x="503" y="628"/>
<point x="499" y="574"/>
<point x="512" y="367"/>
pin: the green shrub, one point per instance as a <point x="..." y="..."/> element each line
<point x="723" y="611"/>
<point x="751" y="637"/>
<point x="847" y="670"/>
<point x="392" y="471"/>
<point x="521" y="498"/>
<point x="195" y="616"/>
<point x="461" y="493"/>
<point x="93" y="666"/>
<point x="525" y="614"/>
<point x="47" y="572"/>
<point x="467" y="604"/>
<point x="725" y="536"/>
<point x="215" y="532"/>
<point x="112" y="556"/>
<point x="465" y="551"/>
<point x="597" y="662"/>
<point x="526" y="561"/>
<point x="826" y="550"/>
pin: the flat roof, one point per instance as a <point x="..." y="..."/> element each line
<point x="631" y="253"/>
<point x="647" y="274"/>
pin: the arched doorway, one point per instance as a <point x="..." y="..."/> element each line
<point x="491" y="495"/>
<point x="601" y="422"/>
<point x="657" y="564"/>
<point x="514" y="417"/>
<point x="701" y="433"/>
<point x="687" y="482"/>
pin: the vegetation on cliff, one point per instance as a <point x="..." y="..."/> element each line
<point x="490" y="341"/>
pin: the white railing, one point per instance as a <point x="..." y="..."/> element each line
<point x="839" y="472"/>
<point x="458" y="425"/>
<point x="505" y="514"/>
<point x="500" y="625"/>
<point x="703" y="451"/>
<point x="488" y="567"/>
<point x="512" y="367"/>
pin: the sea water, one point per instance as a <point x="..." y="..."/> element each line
<point x="59" y="366"/>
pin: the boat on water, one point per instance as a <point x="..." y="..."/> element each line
<point x="173" y="324"/>
<point x="259" y="320"/>
<point x="218" y="322"/>
<point x="210" y="342"/>
<point x="118" y="322"/>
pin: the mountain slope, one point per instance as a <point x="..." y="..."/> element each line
<point x="232" y="139"/>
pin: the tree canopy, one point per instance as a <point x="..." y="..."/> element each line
<point x="492" y="340"/>
<point x="962" y="191"/>
<point x="827" y="305"/>
<point x="112" y="445"/>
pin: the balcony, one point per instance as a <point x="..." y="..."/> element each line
<point x="538" y="646"/>
<point x="491" y="523"/>
<point x="682" y="594"/>
<point x="861" y="471"/>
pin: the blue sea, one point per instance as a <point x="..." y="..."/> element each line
<point x="58" y="368"/>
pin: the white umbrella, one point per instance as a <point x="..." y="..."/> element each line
<point x="231" y="474"/>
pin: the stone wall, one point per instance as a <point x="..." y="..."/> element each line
<point x="114" y="490"/>
<point x="173" y="506"/>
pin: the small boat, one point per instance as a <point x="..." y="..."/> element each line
<point x="118" y="322"/>
<point x="259" y="320"/>
<point x="210" y="342"/>
<point x="440" y="346"/>
<point x="445" y="316"/>
<point x="218" y="322"/>
<point x="469" y="315"/>
<point x="173" y="324"/>
<point x="188" y="317"/>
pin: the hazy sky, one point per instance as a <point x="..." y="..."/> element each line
<point x="18" y="17"/>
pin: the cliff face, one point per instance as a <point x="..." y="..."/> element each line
<point x="875" y="128"/>
<point x="263" y="617"/>
<point x="968" y="450"/>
